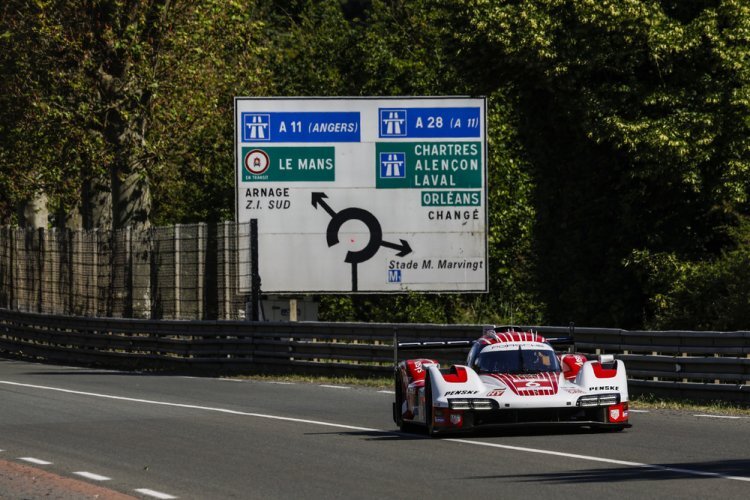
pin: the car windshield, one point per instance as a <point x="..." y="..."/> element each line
<point x="517" y="361"/>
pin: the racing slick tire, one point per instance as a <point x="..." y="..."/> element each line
<point x="429" y="420"/>
<point x="398" y="404"/>
<point x="399" y="390"/>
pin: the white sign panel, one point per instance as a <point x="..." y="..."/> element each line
<point x="364" y="194"/>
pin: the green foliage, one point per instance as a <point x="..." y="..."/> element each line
<point x="619" y="131"/>
<point x="704" y="295"/>
<point x="78" y="78"/>
<point x="314" y="46"/>
<point x="214" y="51"/>
<point x="41" y="149"/>
<point x="633" y="115"/>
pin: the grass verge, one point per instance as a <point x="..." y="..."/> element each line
<point x="649" y="401"/>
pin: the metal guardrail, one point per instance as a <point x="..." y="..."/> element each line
<point x="694" y="365"/>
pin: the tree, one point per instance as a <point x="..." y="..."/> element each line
<point x="218" y="50"/>
<point x="83" y="77"/>
<point x="634" y="117"/>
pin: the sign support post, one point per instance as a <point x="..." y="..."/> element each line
<point x="254" y="276"/>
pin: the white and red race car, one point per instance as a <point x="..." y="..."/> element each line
<point x="511" y="377"/>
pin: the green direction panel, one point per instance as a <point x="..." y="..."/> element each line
<point x="288" y="164"/>
<point x="428" y="165"/>
<point x="451" y="198"/>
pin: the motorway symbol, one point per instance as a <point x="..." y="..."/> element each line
<point x="393" y="165"/>
<point x="392" y="123"/>
<point x="373" y="225"/>
<point x="256" y="127"/>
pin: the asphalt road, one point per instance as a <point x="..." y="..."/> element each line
<point x="163" y="437"/>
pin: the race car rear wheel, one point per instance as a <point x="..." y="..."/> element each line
<point x="399" y="404"/>
<point x="428" y="413"/>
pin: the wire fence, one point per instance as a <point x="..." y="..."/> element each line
<point x="185" y="271"/>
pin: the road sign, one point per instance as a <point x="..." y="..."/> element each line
<point x="364" y="194"/>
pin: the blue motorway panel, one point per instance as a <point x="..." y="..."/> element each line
<point x="429" y="123"/>
<point x="302" y="126"/>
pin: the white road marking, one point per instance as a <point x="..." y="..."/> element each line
<point x="34" y="461"/>
<point x="155" y="494"/>
<point x="638" y="411"/>
<point x="588" y="458"/>
<point x="335" y="386"/>
<point x="387" y="392"/>
<point x="92" y="476"/>
<point x="730" y="417"/>
<point x="192" y="407"/>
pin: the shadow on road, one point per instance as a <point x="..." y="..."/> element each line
<point x="723" y="469"/>
<point x="420" y="434"/>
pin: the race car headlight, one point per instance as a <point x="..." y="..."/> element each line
<point x="599" y="400"/>
<point x="459" y="404"/>
<point x="482" y="404"/>
<point x="472" y="404"/>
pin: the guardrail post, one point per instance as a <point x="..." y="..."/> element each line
<point x="684" y="355"/>
<point x="717" y="381"/>
<point x="395" y="347"/>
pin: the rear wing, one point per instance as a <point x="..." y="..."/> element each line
<point x="427" y="344"/>
<point x="566" y="340"/>
<point x="434" y="344"/>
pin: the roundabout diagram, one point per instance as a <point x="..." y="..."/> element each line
<point x="355" y="257"/>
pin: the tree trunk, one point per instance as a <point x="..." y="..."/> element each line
<point x="34" y="213"/>
<point x="131" y="199"/>
<point x="96" y="204"/>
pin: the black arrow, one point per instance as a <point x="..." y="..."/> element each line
<point x="404" y="247"/>
<point x="338" y="219"/>
<point x="318" y="199"/>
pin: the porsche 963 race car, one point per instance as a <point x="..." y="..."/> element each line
<point x="511" y="377"/>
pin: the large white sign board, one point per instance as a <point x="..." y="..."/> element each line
<point x="364" y="194"/>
